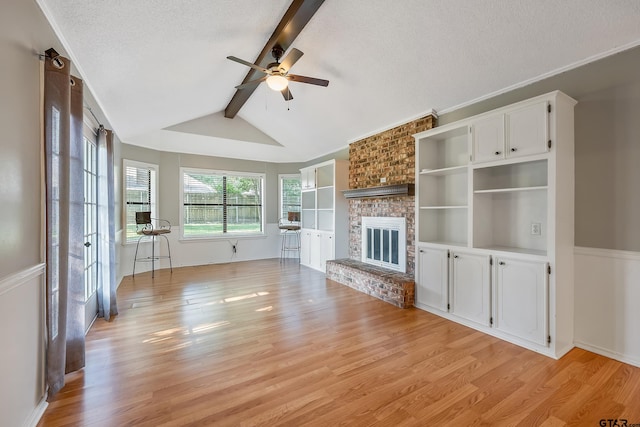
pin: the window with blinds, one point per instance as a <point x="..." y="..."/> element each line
<point x="140" y="193"/>
<point x="290" y="188"/>
<point x="216" y="203"/>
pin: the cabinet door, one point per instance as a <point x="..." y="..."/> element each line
<point x="308" y="178"/>
<point x="528" y="130"/>
<point x="433" y="276"/>
<point x="471" y="287"/>
<point x="305" y="248"/>
<point x="488" y="139"/>
<point x="327" y="249"/>
<point x="314" y="250"/>
<point x="521" y="299"/>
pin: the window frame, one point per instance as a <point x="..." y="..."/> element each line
<point x="89" y="137"/>
<point x="281" y="177"/>
<point x="223" y="235"/>
<point x="155" y="169"/>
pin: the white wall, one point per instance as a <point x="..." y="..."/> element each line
<point x="607" y="303"/>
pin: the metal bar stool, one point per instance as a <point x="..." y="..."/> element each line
<point x="290" y="230"/>
<point x="145" y="228"/>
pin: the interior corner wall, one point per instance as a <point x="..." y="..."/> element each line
<point x="204" y="251"/>
<point x="342" y="154"/>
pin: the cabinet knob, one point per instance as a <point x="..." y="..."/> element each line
<point x="455" y="256"/>
<point x="501" y="263"/>
<point x="513" y="150"/>
<point x="498" y="153"/>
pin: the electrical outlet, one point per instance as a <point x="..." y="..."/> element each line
<point x="536" y="228"/>
<point x="383" y="180"/>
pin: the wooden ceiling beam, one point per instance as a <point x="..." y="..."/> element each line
<point x="291" y="24"/>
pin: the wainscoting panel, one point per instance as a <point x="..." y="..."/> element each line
<point x="202" y="251"/>
<point x="607" y="303"/>
<point x="22" y="333"/>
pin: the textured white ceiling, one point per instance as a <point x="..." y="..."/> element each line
<point x="157" y="64"/>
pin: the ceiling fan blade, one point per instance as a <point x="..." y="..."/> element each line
<point x="310" y="80"/>
<point x="286" y="93"/>
<point x="291" y="58"/>
<point x="248" y="64"/>
<point x="252" y="83"/>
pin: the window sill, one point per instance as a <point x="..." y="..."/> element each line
<point x="223" y="237"/>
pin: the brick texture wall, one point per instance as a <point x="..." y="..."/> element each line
<point x="391" y="155"/>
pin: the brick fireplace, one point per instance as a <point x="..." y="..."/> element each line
<point x="387" y="158"/>
<point x="389" y="155"/>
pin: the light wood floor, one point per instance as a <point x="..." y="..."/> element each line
<point x="264" y="343"/>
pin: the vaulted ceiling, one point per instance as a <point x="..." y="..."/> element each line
<point x="159" y="71"/>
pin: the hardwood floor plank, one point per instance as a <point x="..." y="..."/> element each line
<point x="270" y="343"/>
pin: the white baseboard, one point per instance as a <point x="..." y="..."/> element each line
<point x="37" y="413"/>
<point x="608" y="353"/>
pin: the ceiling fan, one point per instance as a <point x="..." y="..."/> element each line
<point x="277" y="73"/>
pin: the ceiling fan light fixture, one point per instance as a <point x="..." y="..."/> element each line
<point x="277" y="82"/>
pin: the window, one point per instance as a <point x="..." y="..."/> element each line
<point x="139" y="194"/>
<point x="217" y="203"/>
<point x="289" y="194"/>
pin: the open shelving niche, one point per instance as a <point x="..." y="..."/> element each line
<point x="443" y="180"/>
<point x="507" y="199"/>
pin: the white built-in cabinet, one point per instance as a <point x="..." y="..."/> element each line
<point x="494" y="222"/>
<point x="325" y="233"/>
<point x="432" y="283"/>
<point x="521" y="307"/>
<point x="470" y="286"/>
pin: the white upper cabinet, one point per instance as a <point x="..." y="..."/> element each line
<point x="308" y="178"/>
<point x="528" y="130"/>
<point x="487" y="136"/>
<point x="521" y="132"/>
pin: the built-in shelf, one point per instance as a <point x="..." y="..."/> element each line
<point x="445" y="243"/>
<point x="511" y="190"/>
<point x="494" y="222"/>
<point x="444" y="171"/>
<point x="444" y="207"/>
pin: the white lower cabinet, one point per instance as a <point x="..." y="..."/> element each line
<point x="521" y="299"/>
<point x="505" y="296"/>
<point x="471" y="287"/>
<point x="305" y="247"/>
<point x="433" y="278"/>
<point x="316" y="248"/>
